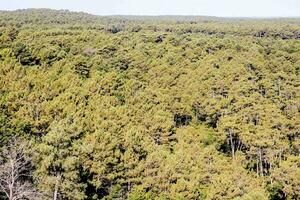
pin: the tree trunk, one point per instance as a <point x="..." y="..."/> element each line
<point x="11" y="196"/>
<point x="260" y="163"/>
<point x="231" y="143"/>
<point x="278" y="83"/>
<point x="56" y="187"/>
<point x="257" y="169"/>
<point x="12" y="181"/>
<point x="239" y="146"/>
<point x="280" y="155"/>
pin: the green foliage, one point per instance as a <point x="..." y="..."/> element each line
<point x="276" y="191"/>
<point x="153" y="108"/>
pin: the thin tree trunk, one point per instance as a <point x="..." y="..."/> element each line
<point x="260" y="163"/>
<point x="56" y="187"/>
<point x="278" y="83"/>
<point x="280" y="155"/>
<point x="231" y="143"/>
<point x="257" y="169"/>
<point x="11" y="192"/>
<point x="11" y="184"/>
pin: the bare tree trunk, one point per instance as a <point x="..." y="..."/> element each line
<point x="11" y="184"/>
<point x="278" y="84"/>
<point x="260" y="163"/>
<point x="11" y="194"/>
<point x="56" y="187"/>
<point x="280" y="156"/>
<point x="231" y="143"/>
<point x="257" y="169"/>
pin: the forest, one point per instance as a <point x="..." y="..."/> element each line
<point x="148" y="108"/>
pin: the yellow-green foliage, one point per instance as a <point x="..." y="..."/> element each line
<point x="187" y="108"/>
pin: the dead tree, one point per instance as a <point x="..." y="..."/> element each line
<point x="15" y="172"/>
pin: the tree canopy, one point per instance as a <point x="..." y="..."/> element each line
<point x="164" y="107"/>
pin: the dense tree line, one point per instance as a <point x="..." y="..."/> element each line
<point x="148" y="108"/>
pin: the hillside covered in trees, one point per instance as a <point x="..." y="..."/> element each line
<point x="126" y="107"/>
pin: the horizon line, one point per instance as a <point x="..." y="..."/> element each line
<point x="155" y="15"/>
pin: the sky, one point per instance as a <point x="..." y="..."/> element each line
<point x="222" y="8"/>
